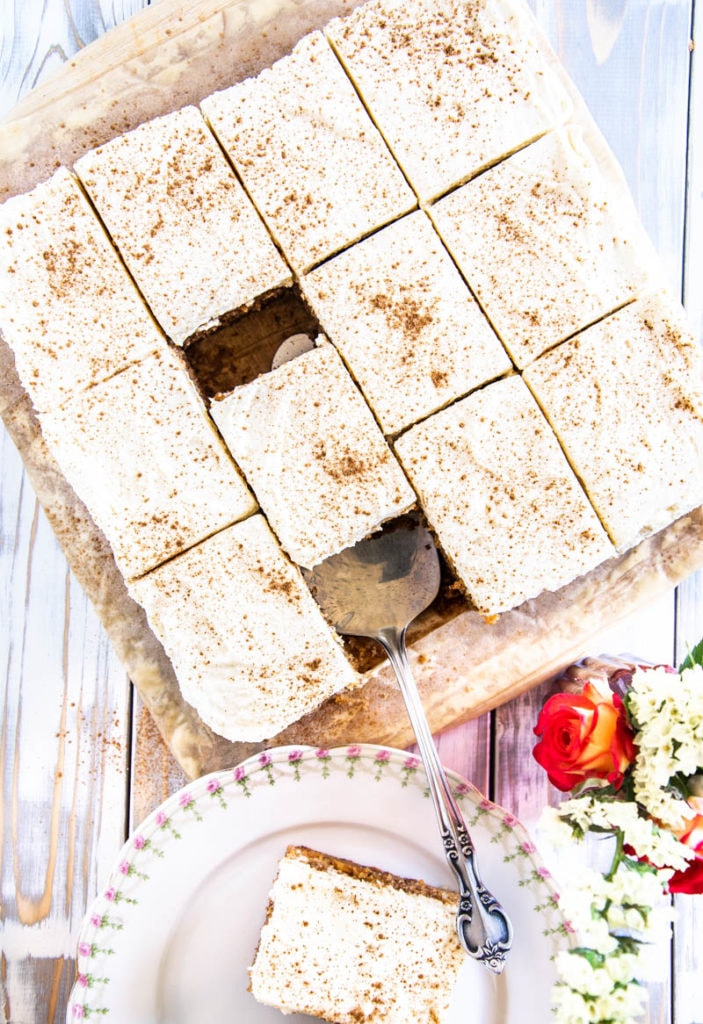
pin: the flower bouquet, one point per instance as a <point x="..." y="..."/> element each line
<point x="626" y="741"/>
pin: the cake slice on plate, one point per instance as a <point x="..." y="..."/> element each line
<point x="349" y="943"/>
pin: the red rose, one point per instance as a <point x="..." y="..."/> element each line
<point x="691" y="879"/>
<point x="584" y="736"/>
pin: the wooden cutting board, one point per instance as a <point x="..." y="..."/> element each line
<point x="176" y="53"/>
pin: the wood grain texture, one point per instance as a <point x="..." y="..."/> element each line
<point x="688" y="956"/>
<point x="64" y="740"/>
<point x="630" y="61"/>
<point x="79" y="762"/>
<point x="632" y="64"/>
<point x="39" y="36"/>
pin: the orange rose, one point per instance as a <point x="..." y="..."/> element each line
<point x="584" y="736"/>
<point x="691" y="879"/>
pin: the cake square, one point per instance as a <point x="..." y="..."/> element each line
<point x="250" y="648"/>
<point x="509" y="513"/>
<point x="545" y="243"/>
<point x="347" y="943"/>
<point x="405" y="323"/>
<point x="313" y="454"/>
<point x="312" y="160"/>
<point x="182" y="222"/>
<point x="626" y="400"/>
<point x="143" y="455"/>
<point x="68" y="308"/>
<point x="453" y="85"/>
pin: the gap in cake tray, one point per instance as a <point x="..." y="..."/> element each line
<point x="366" y="654"/>
<point x="243" y="347"/>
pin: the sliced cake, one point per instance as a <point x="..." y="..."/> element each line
<point x="249" y="645"/>
<point x="626" y="400"/>
<point x="497" y="490"/>
<point x="68" y="308"/>
<point x="407" y="326"/>
<point x="308" y="153"/>
<point x="313" y="454"/>
<point x="142" y="453"/>
<point x="348" y="943"/>
<point x="453" y="85"/>
<point x="545" y="243"/>
<point x="182" y="222"/>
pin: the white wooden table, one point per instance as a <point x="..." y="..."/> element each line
<point x="81" y="760"/>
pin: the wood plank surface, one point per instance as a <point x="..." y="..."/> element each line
<point x="81" y="760"/>
<point x="65" y="734"/>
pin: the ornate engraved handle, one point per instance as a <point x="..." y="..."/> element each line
<point x="483" y="927"/>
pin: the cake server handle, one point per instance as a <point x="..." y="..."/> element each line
<point x="483" y="926"/>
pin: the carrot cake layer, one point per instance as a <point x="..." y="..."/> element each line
<point x="626" y="400"/>
<point x="405" y="323"/>
<point x="143" y="455"/>
<point x="546" y="243"/>
<point x="68" y="308"/>
<point x="182" y="222"/>
<point x="308" y="153"/>
<point x="313" y="454"/>
<point x="250" y="647"/>
<point x="499" y="493"/>
<point x="453" y="85"/>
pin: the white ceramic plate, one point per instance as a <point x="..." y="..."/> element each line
<point x="172" y="935"/>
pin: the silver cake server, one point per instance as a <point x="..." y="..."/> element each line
<point x="376" y="589"/>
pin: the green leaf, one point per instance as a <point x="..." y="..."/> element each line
<point x="694" y="657"/>
<point x="594" y="958"/>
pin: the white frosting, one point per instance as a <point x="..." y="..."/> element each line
<point x="453" y="85"/>
<point x="183" y="223"/>
<point x="249" y="645"/>
<point x="496" y="487"/>
<point x="309" y="155"/>
<point x="545" y="243"/>
<point x="405" y="322"/>
<point x="626" y="399"/>
<point x="314" y="455"/>
<point x="143" y="455"/>
<point x="346" y="949"/>
<point x="546" y="240"/>
<point x="68" y="308"/>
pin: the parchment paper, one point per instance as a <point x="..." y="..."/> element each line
<point x="176" y="53"/>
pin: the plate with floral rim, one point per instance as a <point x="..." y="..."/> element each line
<point x="170" y="937"/>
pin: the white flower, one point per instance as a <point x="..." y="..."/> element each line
<point x="622" y="1004"/>
<point x="626" y="900"/>
<point x="668" y="712"/>
<point x="576" y="971"/>
<point x="625" y="919"/>
<point x="622" y="967"/>
<point x="569" y="1007"/>
<point x="597" y="936"/>
<point x="553" y="829"/>
<point x="660" y="848"/>
<point x="637" y="888"/>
